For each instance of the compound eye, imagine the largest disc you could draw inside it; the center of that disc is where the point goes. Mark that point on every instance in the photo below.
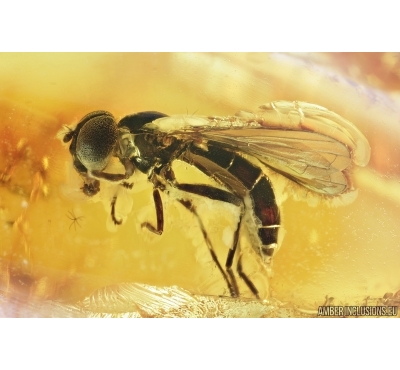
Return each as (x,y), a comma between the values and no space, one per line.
(96,140)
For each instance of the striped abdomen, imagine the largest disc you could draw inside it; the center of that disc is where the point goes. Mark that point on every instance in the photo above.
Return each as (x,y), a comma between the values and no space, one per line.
(247,181)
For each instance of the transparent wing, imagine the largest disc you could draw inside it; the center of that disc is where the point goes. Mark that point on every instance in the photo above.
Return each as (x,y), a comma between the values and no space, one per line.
(305,142)
(313,160)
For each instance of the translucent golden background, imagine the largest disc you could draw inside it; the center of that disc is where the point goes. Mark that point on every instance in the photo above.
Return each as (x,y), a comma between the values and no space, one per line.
(348,253)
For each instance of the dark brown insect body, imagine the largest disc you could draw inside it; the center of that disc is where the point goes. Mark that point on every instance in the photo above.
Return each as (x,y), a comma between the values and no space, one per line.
(315,155)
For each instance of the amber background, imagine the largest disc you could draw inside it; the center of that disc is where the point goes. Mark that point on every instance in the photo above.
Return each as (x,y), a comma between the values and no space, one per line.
(348,252)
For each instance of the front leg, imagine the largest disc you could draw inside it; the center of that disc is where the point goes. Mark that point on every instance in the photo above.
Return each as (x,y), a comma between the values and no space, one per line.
(129,170)
(91,184)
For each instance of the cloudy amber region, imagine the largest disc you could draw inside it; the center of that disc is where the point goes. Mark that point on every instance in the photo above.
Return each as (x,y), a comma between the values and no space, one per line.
(57,245)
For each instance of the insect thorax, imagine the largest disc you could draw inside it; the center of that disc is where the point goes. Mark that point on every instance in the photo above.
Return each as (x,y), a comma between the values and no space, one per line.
(148,150)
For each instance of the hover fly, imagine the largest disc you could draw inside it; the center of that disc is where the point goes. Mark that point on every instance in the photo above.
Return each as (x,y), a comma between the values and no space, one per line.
(306,143)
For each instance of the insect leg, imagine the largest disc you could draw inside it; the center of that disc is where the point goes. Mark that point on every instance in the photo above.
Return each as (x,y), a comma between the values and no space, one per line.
(232,285)
(246,279)
(228,197)
(115,220)
(129,170)
(223,196)
(127,185)
(91,187)
(159,213)
(109,176)
(239,267)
